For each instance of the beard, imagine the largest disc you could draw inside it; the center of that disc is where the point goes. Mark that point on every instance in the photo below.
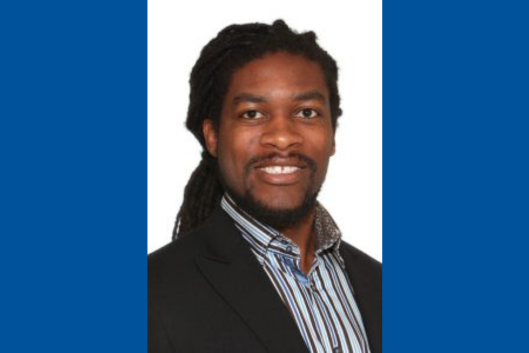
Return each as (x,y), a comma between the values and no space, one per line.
(276,218)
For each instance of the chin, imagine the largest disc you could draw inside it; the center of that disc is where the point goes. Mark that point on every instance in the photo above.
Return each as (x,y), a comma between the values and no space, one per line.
(277,212)
(280,203)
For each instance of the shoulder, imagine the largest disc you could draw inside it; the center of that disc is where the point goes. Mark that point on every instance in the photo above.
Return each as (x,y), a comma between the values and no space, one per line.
(175,260)
(176,291)
(173,281)
(361,260)
(180,250)
(178,258)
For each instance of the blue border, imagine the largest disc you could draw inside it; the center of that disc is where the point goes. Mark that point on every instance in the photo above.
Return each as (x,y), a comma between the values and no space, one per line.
(74,176)
(455,176)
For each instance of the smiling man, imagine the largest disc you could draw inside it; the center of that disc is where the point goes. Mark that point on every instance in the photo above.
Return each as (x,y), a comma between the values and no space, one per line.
(258,264)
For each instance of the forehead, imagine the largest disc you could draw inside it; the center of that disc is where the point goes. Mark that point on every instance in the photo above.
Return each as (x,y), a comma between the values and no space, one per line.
(278,73)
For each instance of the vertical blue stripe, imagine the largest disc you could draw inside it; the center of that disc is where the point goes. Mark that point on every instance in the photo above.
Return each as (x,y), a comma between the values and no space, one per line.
(74,179)
(456,191)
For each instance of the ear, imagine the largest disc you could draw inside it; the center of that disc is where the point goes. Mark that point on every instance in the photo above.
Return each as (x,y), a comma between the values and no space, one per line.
(211,136)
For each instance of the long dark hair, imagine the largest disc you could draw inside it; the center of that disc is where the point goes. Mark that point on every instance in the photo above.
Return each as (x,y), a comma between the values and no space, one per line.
(235,46)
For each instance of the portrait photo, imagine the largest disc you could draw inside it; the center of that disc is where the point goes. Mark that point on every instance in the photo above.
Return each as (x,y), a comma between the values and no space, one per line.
(265,176)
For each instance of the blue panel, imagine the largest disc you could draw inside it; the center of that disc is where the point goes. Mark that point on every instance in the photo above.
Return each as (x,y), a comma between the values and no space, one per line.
(74,176)
(455,176)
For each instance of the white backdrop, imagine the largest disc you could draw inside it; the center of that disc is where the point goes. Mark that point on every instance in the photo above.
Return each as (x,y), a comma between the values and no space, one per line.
(350,31)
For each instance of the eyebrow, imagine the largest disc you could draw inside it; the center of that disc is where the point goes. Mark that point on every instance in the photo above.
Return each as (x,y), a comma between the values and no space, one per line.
(247,97)
(311,95)
(252,98)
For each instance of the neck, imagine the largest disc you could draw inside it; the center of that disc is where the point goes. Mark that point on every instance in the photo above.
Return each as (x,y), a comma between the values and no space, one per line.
(302,234)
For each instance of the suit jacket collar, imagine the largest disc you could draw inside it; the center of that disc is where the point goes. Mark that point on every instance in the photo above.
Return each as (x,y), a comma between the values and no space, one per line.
(232,269)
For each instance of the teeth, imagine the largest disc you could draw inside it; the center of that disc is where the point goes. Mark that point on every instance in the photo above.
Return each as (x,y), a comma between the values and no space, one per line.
(279,169)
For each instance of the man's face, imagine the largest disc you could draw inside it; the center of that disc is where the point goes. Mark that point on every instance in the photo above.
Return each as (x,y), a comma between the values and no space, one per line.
(275,136)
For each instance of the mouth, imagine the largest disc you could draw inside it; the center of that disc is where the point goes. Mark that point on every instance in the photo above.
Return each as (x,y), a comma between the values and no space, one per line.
(280,175)
(279,169)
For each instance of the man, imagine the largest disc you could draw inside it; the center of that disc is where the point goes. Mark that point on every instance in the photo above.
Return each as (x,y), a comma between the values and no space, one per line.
(258,264)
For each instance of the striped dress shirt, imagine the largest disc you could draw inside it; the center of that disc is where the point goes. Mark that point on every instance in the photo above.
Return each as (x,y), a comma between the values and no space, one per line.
(321,302)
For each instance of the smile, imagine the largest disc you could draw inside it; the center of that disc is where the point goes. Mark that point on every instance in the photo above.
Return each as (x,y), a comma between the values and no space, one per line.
(279,169)
(280,175)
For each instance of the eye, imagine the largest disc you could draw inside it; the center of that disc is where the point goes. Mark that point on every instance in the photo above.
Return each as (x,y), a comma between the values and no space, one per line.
(252,115)
(307,113)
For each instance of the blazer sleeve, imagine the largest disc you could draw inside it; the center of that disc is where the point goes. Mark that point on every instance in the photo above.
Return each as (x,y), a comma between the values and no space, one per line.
(157,338)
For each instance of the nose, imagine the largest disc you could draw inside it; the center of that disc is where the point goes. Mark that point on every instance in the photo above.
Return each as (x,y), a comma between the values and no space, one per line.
(281,133)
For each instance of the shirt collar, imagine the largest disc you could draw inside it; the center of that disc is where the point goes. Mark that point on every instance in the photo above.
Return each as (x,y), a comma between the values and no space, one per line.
(263,238)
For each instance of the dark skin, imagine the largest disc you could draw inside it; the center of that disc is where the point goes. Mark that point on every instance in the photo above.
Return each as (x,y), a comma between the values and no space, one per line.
(278,104)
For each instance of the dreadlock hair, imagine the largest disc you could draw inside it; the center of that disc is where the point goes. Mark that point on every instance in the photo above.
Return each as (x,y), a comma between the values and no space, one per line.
(235,46)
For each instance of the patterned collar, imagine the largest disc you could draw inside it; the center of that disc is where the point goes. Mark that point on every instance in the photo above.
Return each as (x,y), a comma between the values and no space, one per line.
(264,239)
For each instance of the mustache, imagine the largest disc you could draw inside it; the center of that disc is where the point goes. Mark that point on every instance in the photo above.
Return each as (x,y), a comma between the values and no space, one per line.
(306,160)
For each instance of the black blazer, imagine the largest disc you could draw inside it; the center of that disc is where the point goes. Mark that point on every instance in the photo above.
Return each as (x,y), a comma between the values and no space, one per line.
(208,293)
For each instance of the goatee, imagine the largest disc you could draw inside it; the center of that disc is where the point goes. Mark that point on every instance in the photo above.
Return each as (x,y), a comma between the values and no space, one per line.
(276,218)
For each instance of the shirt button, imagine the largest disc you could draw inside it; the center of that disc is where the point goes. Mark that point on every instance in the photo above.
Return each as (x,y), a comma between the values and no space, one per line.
(337,350)
(289,248)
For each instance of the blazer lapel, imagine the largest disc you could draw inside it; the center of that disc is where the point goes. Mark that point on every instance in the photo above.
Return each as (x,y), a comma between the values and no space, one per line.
(232,269)
(368,295)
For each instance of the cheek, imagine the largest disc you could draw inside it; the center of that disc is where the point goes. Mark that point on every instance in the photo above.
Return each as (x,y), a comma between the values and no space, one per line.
(322,143)
(323,148)
(234,151)
(228,162)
